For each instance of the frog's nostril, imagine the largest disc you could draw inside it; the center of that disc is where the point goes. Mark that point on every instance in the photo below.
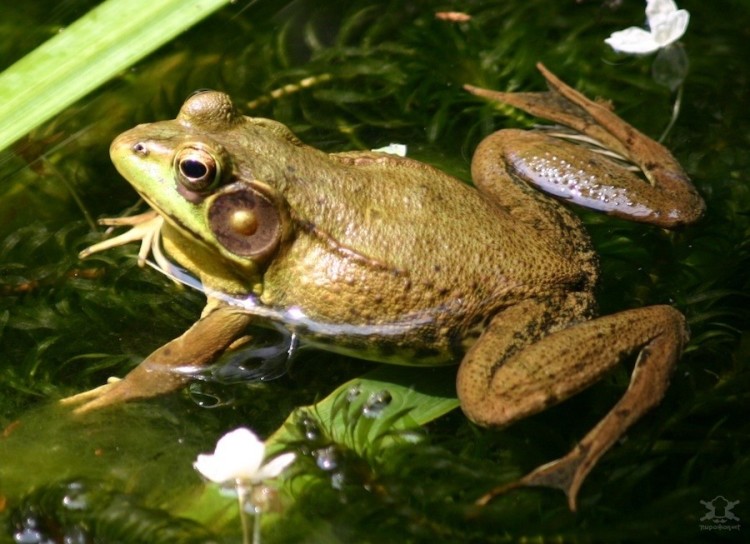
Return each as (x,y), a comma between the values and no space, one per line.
(140,149)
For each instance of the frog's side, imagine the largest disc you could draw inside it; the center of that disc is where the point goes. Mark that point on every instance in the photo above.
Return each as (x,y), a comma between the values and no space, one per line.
(393,260)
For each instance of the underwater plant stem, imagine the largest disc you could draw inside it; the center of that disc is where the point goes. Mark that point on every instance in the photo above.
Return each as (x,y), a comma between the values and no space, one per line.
(77,199)
(675,113)
(256,527)
(242,496)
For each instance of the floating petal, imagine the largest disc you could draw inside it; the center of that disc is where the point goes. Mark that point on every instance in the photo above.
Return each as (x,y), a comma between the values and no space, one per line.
(633,40)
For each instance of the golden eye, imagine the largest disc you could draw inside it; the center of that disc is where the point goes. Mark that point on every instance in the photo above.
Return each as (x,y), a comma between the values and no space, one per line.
(196,169)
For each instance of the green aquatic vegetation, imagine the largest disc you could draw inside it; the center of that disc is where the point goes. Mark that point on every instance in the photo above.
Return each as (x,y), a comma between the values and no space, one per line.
(382,72)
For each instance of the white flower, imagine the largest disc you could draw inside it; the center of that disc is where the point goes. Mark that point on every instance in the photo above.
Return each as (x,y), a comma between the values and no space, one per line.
(238,459)
(393,149)
(666,25)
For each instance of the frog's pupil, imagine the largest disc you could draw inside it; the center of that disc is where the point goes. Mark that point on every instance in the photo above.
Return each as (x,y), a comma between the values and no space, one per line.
(193,169)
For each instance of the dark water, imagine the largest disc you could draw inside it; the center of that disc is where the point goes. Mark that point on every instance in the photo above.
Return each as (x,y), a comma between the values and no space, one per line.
(395,76)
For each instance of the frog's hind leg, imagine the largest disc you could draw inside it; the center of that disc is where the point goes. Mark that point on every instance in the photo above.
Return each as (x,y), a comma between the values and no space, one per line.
(664,196)
(501,381)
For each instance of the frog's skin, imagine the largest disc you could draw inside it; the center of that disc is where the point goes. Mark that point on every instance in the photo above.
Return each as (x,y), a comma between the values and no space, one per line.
(392,260)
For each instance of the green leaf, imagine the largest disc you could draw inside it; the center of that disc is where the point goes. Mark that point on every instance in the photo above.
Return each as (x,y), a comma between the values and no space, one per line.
(84,55)
(406,397)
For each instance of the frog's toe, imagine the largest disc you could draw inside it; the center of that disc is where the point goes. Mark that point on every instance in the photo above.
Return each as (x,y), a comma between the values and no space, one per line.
(90,394)
(566,474)
(114,391)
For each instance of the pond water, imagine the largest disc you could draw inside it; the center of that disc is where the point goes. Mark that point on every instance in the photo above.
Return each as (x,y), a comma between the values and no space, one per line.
(374,73)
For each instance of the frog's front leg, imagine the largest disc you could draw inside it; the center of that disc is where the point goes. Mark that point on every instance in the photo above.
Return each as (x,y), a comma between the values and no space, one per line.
(144,227)
(501,380)
(164,371)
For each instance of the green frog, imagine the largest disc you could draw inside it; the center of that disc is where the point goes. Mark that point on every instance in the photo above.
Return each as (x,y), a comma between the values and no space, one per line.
(389,259)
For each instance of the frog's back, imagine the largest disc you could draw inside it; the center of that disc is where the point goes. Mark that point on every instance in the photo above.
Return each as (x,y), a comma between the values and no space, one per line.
(417,221)
(413,220)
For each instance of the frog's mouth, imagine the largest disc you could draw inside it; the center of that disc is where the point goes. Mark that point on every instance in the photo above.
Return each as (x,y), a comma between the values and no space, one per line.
(170,218)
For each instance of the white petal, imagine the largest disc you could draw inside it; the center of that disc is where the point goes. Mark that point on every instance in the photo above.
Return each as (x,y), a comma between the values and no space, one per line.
(393,149)
(238,455)
(633,40)
(212,468)
(658,10)
(671,29)
(274,467)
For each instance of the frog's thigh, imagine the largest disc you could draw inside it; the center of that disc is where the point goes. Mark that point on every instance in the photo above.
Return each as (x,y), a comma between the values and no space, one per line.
(529,379)
(588,178)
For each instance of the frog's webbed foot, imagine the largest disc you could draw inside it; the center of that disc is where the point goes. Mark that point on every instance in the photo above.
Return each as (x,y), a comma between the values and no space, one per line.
(84,398)
(566,474)
(589,176)
(138,384)
(145,228)
(170,367)
(501,380)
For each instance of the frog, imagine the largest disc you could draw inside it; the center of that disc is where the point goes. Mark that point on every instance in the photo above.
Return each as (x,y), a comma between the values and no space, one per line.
(389,259)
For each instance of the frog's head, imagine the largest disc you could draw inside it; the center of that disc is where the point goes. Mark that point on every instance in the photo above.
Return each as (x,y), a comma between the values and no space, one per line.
(201,172)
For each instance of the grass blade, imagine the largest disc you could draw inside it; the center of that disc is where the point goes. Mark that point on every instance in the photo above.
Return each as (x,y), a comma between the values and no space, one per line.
(96,47)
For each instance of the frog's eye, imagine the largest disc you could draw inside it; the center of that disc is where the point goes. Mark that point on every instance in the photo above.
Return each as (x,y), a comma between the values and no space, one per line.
(196,169)
(245,221)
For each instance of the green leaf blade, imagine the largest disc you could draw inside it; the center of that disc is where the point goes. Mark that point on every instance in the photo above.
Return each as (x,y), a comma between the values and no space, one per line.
(81,57)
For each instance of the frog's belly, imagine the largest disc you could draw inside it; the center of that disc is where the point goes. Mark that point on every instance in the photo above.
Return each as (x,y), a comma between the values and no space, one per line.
(414,339)
(410,342)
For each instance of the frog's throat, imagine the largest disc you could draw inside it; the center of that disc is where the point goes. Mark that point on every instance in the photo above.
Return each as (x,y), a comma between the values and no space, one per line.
(207,261)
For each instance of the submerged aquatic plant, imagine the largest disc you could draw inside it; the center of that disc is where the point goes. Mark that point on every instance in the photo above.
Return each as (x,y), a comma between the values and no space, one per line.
(237,462)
